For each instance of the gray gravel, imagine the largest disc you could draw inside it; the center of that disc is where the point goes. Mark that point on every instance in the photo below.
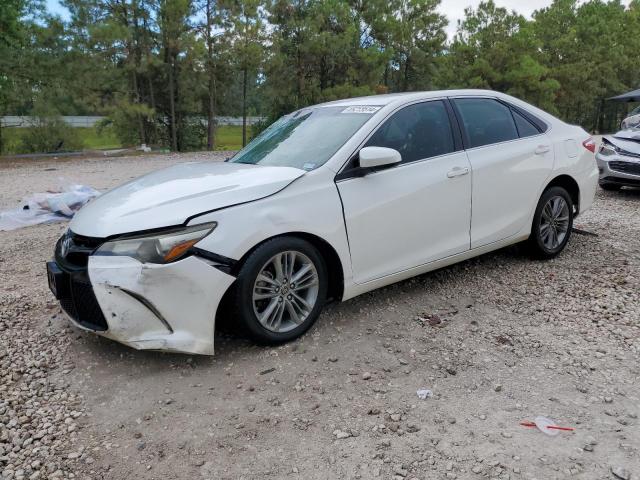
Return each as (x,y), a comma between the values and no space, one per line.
(498,340)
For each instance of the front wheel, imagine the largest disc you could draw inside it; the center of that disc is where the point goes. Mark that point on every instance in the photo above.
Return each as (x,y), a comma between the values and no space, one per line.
(552,223)
(281,289)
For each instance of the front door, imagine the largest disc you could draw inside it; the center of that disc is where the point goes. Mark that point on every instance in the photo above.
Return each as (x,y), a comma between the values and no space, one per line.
(417,211)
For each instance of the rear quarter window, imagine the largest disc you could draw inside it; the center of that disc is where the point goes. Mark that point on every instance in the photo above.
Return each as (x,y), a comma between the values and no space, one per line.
(525,127)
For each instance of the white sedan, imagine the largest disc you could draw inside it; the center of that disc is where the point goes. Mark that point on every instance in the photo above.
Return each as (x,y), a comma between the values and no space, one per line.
(329,202)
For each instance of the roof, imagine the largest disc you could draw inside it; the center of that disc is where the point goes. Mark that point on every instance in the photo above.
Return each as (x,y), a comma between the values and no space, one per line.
(388,98)
(395,99)
(632,96)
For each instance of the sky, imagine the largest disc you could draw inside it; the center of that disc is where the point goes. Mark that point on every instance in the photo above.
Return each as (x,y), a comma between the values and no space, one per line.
(54,7)
(453,9)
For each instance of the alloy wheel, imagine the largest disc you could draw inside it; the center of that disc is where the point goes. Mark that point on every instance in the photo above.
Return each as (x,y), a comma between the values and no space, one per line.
(554,222)
(285,291)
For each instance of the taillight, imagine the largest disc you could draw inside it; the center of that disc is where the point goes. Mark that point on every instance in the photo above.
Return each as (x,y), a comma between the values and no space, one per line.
(590,145)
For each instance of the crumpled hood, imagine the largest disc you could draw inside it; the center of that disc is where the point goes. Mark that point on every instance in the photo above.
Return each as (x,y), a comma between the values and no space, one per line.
(168,197)
(632,121)
(628,140)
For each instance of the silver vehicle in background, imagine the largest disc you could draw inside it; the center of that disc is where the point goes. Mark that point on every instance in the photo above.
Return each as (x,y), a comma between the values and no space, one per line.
(632,120)
(619,160)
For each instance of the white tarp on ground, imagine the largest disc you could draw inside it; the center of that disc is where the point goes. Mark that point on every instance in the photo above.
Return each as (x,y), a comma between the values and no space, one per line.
(52,206)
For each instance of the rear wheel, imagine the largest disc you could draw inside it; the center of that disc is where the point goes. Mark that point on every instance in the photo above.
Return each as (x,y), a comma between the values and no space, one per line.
(610,186)
(280,290)
(552,223)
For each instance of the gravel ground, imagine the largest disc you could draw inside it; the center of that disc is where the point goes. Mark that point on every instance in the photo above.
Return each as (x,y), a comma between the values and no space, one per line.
(499,339)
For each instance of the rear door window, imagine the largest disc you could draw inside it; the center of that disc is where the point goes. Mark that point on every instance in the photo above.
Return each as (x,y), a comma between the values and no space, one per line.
(486,121)
(418,131)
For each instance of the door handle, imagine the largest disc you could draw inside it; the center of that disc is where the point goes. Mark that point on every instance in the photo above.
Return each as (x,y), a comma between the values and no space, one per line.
(457,172)
(542,149)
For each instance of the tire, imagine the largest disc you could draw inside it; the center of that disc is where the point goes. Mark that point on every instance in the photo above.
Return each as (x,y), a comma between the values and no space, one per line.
(610,187)
(542,243)
(283,314)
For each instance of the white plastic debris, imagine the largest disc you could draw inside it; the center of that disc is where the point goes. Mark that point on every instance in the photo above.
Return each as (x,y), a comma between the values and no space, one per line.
(543,424)
(424,393)
(53,206)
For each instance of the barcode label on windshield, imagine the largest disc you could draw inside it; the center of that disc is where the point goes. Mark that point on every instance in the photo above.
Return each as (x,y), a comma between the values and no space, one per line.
(361,109)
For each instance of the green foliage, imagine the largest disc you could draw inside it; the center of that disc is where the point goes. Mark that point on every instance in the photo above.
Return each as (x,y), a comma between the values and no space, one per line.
(590,51)
(229,137)
(412,32)
(10,12)
(494,48)
(159,69)
(50,134)
(259,127)
(321,50)
(90,138)
(124,120)
(17,78)
(12,140)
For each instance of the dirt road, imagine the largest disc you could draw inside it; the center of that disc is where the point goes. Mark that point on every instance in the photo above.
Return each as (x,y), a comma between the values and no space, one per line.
(498,340)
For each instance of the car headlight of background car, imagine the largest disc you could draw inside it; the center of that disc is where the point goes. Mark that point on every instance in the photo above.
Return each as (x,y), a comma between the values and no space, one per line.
(607,149)
(159,247)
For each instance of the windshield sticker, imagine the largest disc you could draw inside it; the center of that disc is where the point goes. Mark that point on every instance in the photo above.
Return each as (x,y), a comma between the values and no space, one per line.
(361,109)
(309,166)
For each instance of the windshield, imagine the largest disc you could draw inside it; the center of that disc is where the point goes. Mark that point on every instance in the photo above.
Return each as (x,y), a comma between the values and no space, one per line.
(305,139)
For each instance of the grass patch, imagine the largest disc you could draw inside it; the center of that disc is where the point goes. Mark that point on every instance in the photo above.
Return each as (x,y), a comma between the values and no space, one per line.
(92,140)
(89,136)
(228,137)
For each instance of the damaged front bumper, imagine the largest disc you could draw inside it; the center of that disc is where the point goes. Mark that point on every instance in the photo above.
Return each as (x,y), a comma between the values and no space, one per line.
(619,170)
(145,306)
(618,159)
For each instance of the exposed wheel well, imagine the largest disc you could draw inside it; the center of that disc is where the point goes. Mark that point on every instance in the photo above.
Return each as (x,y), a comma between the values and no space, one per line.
(334,265)
(571,186)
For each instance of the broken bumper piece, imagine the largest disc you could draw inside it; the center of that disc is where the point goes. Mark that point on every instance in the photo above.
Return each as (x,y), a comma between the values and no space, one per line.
(157,307)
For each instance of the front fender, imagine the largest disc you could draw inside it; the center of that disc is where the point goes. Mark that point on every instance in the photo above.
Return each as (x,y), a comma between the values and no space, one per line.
(310,205)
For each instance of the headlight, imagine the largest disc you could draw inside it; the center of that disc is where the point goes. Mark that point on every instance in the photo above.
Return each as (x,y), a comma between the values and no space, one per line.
(160,247)
(607,149)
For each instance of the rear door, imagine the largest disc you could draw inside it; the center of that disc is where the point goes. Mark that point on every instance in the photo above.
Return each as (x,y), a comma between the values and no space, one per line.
(414,212)
(510,158)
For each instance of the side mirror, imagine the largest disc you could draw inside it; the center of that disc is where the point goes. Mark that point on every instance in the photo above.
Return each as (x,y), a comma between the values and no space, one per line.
(372,157)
